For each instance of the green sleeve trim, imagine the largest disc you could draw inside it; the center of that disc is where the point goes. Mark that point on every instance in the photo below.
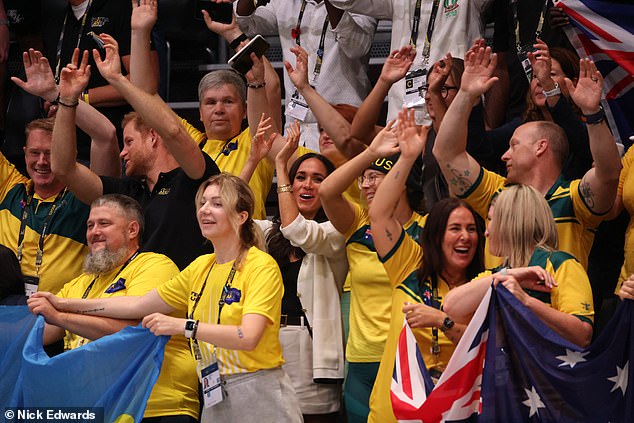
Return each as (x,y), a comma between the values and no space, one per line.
(585,319)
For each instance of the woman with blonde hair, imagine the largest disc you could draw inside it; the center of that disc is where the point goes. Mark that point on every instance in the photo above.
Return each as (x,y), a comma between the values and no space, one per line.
(232,301)
(551,283)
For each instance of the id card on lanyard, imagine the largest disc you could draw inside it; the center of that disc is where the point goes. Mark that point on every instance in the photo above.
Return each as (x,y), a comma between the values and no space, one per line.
(31,282)
(416,78)
(523,49)
(207,367)
(298,106)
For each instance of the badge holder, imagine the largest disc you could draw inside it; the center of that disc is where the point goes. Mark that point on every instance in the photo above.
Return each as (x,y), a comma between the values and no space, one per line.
(297,107)
(522,55)
(210,380)
(414,99)
(30,285)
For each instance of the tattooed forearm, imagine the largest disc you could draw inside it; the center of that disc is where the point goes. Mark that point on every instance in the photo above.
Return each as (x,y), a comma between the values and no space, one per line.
(587,194)
(459,180)
(94,310)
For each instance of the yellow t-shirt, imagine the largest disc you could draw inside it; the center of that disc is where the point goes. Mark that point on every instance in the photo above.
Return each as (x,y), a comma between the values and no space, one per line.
(176,390)
(626,191)
(370,289)
(256,288)
(65,239)
(401,265)
(576,223)
(231,155)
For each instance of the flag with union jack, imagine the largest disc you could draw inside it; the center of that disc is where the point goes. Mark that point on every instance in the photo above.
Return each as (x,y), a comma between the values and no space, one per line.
(603,30)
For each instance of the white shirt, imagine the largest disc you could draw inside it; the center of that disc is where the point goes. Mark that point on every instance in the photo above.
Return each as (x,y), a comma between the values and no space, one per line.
(343,78)
(457,26)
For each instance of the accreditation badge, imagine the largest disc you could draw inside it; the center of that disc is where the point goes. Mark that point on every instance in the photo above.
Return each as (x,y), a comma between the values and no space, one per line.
(30,285)
(297,107)
(211,383)
(415,81)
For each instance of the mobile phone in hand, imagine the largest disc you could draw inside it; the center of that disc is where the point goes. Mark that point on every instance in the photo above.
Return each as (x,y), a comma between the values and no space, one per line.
(241,61)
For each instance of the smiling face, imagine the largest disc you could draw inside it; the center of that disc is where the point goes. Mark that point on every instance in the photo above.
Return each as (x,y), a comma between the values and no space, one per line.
(221,112)
(214,219)
(37,156)
(108,229)
(309,176)
(460,241)
(369,183)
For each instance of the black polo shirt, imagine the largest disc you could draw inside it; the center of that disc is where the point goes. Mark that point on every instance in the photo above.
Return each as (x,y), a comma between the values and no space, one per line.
(171,227)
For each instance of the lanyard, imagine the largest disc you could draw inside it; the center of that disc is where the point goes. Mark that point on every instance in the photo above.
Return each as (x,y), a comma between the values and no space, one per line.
(47,221)
(61,39)
(516,22)
(296,33)
(435,303)
(221,302)
(430,28)
(89,288)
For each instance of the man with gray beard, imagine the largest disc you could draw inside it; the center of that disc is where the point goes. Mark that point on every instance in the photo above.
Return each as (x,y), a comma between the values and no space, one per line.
(115,267)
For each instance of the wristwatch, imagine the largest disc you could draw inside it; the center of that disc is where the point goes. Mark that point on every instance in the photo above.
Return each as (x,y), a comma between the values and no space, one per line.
(447,324)
(190,325)
(551,93)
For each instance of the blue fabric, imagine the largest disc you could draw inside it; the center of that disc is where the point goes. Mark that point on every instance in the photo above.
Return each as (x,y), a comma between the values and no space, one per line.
(116,372)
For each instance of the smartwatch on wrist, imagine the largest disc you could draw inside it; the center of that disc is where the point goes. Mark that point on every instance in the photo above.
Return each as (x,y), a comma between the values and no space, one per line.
(447,324)
(190,325)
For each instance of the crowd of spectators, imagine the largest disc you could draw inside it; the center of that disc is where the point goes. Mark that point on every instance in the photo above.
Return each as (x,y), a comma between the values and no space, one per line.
(118,211)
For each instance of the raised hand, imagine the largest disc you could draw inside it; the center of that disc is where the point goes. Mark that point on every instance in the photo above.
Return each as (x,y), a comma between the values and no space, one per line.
(298,75)
(110,68)
(256,74)
(292,141)
(541,62)
(419,315)
(385,143)
(261,144)
(39,77)
(74,77)
(144,14)
(227,31)
(479,67)
(587,93)
(439,73)
(397,64)
(410,140)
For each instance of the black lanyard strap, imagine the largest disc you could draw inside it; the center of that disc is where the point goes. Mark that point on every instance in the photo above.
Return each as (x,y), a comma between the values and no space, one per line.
(516,23)
(296,32)
(89,287)
(430,28)
(47,221)
(61,38)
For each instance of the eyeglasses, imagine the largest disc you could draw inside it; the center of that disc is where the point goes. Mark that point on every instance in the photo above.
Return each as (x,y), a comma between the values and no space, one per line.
(444,90)
(371,179)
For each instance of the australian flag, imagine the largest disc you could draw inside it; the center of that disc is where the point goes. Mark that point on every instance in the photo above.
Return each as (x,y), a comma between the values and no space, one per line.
(603,30)
(510,367)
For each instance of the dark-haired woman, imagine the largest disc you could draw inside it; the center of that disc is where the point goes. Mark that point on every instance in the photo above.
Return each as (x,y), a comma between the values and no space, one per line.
(311,255)
(450,254)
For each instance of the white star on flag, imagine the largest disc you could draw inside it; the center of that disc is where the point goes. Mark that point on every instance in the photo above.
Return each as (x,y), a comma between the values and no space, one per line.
(571,358)
(620,380)
(533,402)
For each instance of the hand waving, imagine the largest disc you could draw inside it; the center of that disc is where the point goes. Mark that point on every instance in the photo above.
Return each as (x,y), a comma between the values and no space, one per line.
(479,66)
(74,77)
(587,93)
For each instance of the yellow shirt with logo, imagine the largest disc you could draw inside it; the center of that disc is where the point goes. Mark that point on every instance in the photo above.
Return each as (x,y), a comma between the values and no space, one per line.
(401,265)
(65,239)
(256,288)
(370,292)
(576,223)
(626,191)
(231,155)
(176,390)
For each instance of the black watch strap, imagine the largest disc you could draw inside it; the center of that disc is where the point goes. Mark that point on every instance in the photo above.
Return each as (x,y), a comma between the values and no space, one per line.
(447,324)
(235,43)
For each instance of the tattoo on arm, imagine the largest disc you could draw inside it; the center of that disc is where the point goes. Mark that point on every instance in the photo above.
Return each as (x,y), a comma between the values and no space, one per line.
(89,311)
(460,180)
(587,194)
(388,234)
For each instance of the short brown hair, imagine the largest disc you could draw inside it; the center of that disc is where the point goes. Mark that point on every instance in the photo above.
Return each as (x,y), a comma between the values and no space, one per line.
(43,124)
(137,121)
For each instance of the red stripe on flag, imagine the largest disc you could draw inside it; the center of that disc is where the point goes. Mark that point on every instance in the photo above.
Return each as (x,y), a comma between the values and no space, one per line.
(588,24)
(406,378)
